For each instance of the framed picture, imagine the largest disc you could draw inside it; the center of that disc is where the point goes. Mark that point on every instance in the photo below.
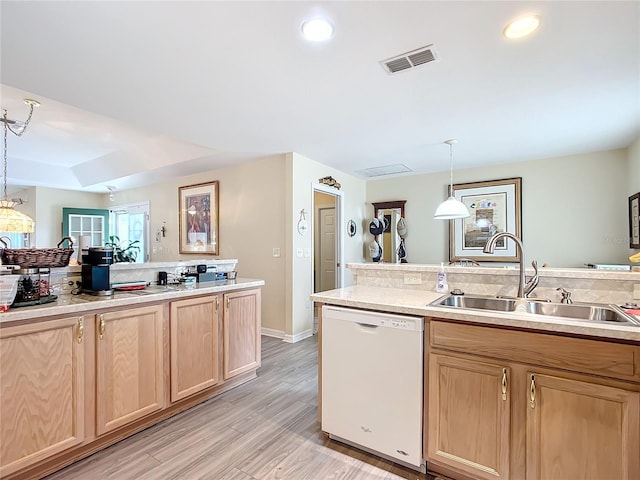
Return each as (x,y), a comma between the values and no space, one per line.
(634,221)
(198,218)
(495,206)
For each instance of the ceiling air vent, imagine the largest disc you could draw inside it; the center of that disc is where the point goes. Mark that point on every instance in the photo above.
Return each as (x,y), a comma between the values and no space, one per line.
(385,170)
(410,60)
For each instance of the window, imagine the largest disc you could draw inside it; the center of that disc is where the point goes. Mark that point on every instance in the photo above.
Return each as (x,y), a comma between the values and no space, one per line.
(131,223)
(15,240)
(86,221)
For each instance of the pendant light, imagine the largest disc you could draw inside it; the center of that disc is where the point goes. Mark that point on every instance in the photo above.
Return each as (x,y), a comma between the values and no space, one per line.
(12,220)
(451,208)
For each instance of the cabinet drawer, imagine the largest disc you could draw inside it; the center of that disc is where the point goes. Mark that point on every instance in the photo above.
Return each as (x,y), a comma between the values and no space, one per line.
(576,354)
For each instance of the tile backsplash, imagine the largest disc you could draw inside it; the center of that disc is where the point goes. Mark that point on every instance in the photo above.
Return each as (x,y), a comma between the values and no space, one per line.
(585,285)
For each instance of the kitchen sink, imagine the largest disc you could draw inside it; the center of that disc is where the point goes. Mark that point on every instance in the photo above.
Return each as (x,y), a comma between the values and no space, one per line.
(479,303)
(594,313)
(577,311)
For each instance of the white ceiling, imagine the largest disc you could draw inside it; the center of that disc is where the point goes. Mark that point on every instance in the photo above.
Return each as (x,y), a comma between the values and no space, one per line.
(135,92)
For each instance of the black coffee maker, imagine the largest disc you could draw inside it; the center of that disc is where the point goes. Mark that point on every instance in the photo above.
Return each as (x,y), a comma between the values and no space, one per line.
(95,271)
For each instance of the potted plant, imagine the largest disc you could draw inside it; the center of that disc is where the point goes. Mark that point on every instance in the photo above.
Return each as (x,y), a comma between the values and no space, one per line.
(128,254)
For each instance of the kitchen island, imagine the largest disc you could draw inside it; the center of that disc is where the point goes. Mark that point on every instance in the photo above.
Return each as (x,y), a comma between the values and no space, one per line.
(86,371)
(515,395)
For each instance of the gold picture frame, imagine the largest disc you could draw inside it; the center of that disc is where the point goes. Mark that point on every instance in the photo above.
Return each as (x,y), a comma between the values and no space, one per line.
(198,218)
(495,206)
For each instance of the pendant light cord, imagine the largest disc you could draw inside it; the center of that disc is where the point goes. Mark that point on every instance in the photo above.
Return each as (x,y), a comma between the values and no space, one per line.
(19,131)
(450,169)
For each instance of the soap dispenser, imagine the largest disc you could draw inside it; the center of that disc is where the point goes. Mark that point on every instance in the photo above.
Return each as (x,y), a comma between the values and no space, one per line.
(442,286)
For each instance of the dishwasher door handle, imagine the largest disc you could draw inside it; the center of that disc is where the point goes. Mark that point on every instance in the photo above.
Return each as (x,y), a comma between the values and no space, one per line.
(367,325)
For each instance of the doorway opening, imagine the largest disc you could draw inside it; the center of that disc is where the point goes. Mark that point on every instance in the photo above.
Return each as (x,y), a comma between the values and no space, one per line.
(327,245)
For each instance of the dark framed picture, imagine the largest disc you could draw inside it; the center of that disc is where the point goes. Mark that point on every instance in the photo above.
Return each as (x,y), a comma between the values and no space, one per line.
(198,218)
(634,221)
(495,206)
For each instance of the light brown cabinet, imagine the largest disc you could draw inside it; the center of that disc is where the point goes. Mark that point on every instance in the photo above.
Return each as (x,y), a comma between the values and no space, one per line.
(579,429)
(523,405)
(42,391)
(129,366)
(241,332)
(124,369)
(195,346)
(469,416)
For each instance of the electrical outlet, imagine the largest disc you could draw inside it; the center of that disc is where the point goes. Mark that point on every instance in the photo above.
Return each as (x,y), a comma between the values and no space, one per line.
(299,252)
(636,291)
(276,252)
(412,279)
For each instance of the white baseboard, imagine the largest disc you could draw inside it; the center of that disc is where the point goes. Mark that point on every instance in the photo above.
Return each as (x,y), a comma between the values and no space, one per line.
(298,336)
(272,332)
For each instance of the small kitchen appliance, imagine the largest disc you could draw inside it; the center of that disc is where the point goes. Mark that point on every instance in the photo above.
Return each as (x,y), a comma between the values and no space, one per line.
(204,273)
(95,271)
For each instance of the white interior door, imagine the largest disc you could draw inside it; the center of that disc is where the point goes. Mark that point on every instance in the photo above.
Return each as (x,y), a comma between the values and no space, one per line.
(327,236)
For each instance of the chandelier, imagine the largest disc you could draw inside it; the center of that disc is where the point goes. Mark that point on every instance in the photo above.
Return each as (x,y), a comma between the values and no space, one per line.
(12,220)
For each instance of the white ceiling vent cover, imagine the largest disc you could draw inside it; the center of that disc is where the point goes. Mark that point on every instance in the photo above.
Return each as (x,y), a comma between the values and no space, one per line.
(384,170)
(410,60)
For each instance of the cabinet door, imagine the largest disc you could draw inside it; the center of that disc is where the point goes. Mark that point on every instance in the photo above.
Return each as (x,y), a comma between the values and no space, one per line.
(241,332)
(469,416)
(577,429)
(194,345)
(41,391)
(129,373)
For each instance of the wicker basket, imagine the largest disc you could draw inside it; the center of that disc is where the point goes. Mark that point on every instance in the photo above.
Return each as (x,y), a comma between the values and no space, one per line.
(38,257)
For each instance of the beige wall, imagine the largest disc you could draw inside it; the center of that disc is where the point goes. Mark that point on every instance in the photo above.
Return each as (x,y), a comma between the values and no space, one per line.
(45,205)
(251,224)
(304,173)
(574,208)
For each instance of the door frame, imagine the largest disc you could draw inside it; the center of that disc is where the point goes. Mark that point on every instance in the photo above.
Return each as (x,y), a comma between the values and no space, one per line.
(339,198)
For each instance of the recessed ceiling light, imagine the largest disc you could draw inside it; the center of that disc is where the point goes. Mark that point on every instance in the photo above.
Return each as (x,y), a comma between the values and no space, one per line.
(317,30)
(522,26)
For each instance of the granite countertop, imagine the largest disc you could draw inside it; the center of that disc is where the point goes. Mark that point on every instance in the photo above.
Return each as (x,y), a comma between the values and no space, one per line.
(416,302)
(79,304)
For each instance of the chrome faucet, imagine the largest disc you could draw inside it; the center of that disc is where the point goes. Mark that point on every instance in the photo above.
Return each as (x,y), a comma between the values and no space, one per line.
(491,245)
(566,295)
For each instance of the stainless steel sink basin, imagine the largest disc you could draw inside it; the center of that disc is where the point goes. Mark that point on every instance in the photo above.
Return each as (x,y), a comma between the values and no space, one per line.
(480,303)
(576,311)
(594,313)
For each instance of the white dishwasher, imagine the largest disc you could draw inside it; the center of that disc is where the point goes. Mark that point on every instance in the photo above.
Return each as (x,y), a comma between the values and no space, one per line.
(372,382)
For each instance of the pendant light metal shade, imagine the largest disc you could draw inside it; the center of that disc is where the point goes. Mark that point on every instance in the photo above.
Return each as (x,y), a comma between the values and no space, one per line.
(451,208)
(12,220)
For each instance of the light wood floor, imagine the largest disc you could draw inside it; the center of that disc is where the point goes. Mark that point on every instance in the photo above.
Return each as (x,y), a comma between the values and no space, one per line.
(266,429)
